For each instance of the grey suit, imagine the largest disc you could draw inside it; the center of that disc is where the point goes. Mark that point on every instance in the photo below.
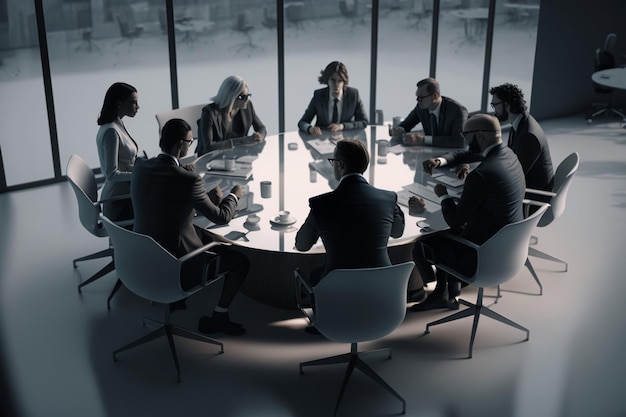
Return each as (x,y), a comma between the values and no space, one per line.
(354,222)
(452,117)
(353,115)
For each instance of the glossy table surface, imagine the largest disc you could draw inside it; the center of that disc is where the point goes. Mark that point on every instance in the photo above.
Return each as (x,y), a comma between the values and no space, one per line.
(297,166)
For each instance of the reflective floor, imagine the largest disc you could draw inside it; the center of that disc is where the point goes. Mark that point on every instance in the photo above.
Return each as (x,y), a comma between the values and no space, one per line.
(57,344)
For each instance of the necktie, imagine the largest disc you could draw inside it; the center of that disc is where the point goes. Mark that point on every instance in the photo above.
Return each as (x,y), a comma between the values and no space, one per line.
(511,137)
(433,123)
(335,111)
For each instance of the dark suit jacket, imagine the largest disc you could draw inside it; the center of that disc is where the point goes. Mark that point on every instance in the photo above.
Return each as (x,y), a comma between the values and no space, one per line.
(164,197)
(492,196)
(452,116)
(531,147)
(354,222)
(213,128)
(353,115)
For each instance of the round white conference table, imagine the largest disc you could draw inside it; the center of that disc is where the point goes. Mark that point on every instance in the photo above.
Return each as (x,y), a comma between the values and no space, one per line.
(297,166)
(612,77)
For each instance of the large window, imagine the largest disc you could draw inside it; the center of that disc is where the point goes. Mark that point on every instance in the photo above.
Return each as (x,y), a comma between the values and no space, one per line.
(93,43)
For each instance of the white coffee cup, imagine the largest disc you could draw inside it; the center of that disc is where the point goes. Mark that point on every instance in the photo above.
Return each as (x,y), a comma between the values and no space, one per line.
(266,189)
(283,216)
(229,163)
(383,147)
(396,121)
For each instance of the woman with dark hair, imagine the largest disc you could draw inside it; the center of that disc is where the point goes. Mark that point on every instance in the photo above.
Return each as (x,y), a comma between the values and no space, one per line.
(117,150)
(226,121)
(337,106)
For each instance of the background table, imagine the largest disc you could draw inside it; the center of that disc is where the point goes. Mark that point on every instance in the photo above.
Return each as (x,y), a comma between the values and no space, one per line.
(613,77)
(297,166)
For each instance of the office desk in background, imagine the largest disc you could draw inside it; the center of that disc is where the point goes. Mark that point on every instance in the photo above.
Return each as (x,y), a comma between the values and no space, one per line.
(297,166)
(613,78)
(474,20)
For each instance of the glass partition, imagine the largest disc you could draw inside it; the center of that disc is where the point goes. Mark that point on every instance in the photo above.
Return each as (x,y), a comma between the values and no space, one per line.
(404,36)
(515,24)
(94,44)
(23,119)
(461,50)
(221,38)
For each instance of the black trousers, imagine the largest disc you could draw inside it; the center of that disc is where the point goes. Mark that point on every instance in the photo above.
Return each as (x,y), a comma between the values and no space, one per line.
(441,249)
(235,263)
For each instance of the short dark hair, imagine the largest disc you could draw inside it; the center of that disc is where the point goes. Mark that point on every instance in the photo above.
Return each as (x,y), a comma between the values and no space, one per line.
(334,67)
(432,85)
(173,131)
(354,155)
(512,95)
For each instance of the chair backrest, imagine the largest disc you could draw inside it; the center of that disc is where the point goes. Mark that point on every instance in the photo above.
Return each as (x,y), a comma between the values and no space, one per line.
(354,305)
(562,181)
(504,254)
(609,43)
(190,114)
(144,266)
(83,182)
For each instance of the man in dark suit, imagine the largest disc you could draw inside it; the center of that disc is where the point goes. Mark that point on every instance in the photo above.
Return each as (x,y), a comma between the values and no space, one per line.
(492,198)
(165,196)
(355,220)
(442,119)
(337,106)
(526,138)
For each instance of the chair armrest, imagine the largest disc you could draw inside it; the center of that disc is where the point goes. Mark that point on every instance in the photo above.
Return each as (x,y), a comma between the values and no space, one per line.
(200,250)
(114,198)
(540,192)
(528,203)
(303,283)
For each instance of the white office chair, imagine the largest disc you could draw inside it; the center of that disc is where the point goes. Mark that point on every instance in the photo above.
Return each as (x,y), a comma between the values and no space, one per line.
(151,272)
(190,114)
(498,260)
(558,196)
(357,305)
(85,187)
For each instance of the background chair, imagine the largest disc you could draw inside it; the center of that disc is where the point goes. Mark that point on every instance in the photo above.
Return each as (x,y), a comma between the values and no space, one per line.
(151,272)
(245,26)
(605,59)
(269,18)
(348,10)
(558,196)
(128,31)
(83,182)
(499,259)
(190,114)
(357,305)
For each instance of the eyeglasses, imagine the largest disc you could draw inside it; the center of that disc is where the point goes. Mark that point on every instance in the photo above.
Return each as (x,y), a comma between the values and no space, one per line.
(244,97)
(332,161)
(420,98)
(464,134)
(188,140)
(493,105)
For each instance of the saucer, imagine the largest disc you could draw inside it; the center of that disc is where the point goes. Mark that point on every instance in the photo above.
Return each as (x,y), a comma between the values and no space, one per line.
(252,226)
(277,222)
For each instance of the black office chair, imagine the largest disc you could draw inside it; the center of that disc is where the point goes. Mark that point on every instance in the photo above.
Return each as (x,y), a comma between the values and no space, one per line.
(605,59)
(245,26)
(348,10)
(269,19)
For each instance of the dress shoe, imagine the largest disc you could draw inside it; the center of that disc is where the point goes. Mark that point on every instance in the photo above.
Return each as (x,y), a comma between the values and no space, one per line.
(220,323)
(312,330)
(432,303)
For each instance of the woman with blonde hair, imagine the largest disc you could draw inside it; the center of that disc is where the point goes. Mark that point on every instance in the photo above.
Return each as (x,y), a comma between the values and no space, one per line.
(226,121)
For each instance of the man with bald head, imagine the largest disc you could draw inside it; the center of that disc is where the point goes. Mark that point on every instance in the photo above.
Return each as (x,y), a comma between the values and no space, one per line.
(492,198)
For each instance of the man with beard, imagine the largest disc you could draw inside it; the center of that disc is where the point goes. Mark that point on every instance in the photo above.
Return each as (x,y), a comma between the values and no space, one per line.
(526,139)
(492,198)
(441,117)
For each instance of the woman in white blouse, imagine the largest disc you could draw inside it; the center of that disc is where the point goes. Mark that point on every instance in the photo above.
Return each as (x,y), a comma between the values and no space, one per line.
(117,150)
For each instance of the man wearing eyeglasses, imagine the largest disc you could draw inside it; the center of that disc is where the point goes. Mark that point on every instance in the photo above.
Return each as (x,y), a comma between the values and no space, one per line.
(492,198)
(442,119)
(526,137)
(165,197)
(355,220)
